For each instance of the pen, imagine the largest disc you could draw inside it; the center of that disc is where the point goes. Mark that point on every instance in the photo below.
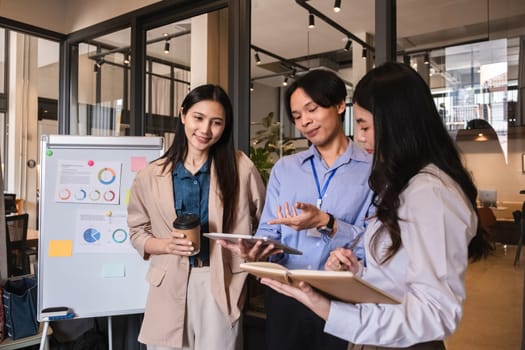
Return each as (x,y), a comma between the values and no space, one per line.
(354,242)
(351,245)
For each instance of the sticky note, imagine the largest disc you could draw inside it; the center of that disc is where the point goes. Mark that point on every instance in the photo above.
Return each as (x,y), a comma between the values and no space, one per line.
(113,270)
(138,163)
(60,248)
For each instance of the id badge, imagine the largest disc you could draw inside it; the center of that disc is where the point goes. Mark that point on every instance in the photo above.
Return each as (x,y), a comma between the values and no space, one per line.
(313,232)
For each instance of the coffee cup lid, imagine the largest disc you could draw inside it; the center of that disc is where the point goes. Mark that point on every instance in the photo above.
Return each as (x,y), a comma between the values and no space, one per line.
(186,221)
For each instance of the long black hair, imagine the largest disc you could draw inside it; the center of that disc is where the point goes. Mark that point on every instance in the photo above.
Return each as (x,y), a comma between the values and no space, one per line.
(409,134)
(222,152)
(324,87)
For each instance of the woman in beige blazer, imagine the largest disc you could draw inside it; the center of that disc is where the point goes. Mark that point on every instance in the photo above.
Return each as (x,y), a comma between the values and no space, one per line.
(195,302)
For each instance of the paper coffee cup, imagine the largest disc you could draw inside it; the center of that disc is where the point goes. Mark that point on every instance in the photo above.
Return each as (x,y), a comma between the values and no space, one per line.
(189,225)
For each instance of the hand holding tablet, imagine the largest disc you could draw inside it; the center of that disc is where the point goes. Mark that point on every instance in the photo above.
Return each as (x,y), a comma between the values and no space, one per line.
(234,237)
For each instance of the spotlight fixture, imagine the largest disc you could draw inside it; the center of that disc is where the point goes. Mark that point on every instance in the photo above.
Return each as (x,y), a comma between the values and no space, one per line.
(426,59)
(337,6)
(251,86)
(127,58)
(285,81)
(348,44)
(311,20)
(167,47)
(257,58)
(294,72)
(98,65)
(364,53)
(481,137)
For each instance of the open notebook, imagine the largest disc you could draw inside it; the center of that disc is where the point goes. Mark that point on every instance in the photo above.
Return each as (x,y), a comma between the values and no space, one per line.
(340,285)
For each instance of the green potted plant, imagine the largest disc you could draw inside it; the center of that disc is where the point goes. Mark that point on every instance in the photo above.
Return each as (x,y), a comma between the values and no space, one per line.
(268,146)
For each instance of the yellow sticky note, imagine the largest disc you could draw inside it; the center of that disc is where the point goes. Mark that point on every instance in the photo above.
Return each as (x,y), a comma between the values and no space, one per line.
(60,248)
(128,193)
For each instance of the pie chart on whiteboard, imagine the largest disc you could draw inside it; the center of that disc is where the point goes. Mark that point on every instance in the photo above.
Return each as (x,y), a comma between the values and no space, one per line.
(91,235)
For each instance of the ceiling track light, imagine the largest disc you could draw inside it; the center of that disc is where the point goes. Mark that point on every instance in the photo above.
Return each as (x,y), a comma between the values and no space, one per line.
(364,53)
(337,6)
(251,86)
(426,59)
(257,58)
(98,65)
(127,58)
(285,81)
(348,44)
(311,20)
(167,47)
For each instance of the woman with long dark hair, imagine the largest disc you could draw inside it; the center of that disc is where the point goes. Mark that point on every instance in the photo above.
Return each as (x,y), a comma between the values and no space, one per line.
(195,300)
(425,228)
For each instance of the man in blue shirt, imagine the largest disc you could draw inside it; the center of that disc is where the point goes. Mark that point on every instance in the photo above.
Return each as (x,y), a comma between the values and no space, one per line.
(316,200)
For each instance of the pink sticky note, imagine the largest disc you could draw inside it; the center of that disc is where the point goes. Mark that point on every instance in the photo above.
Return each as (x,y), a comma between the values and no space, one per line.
(138,163)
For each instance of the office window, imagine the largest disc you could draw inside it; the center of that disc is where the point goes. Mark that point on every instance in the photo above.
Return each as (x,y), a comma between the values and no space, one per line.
(168,72)
(103,86)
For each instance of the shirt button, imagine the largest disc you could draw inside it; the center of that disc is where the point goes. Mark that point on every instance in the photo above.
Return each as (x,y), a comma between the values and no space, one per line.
(309,267)
(318,244)
(194,182)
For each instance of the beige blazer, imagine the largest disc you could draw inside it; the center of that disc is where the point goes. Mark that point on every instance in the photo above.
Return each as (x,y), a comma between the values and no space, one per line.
(151,212)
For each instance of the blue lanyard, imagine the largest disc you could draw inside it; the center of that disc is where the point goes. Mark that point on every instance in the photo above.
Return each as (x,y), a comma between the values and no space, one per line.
(320,191)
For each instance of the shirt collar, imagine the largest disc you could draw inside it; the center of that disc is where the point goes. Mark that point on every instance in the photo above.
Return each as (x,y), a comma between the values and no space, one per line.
(352,153)
(181,172)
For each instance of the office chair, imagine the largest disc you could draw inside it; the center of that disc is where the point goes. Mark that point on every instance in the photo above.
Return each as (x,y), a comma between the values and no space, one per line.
(17,251)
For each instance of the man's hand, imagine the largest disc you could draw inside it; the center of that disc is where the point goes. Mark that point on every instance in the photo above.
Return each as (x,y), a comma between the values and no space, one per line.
(309,217)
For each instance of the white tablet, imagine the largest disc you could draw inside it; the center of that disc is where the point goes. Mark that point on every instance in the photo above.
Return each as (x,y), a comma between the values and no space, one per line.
(233,237)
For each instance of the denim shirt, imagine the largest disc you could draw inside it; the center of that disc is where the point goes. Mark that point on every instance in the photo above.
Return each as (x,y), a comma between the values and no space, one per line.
(191,193)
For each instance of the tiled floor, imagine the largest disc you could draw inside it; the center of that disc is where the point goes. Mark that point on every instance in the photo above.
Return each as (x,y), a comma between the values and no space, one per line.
(493,309)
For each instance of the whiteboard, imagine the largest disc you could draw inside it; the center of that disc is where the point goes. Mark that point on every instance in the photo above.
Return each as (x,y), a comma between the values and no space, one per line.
(86,261)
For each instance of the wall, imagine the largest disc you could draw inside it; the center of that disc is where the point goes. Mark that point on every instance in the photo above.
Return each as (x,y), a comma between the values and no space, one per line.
(30,11)
(66,16)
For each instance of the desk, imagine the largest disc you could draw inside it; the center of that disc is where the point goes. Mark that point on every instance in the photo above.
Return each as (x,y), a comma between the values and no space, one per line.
(504,213)
(9,343)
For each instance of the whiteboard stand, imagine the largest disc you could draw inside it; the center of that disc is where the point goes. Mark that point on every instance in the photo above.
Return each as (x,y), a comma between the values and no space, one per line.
(110,334)
(43,341)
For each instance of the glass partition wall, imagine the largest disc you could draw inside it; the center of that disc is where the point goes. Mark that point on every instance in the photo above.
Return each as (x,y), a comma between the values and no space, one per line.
(474,78)
(167,76)
(104,81)
(29,67)
(103,86)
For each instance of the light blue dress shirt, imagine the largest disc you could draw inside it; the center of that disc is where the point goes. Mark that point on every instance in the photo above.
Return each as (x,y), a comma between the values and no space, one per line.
(347,198)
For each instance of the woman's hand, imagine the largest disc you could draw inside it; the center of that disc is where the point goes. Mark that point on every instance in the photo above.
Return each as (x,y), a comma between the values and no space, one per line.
(309,217)
(248,252)
(305,294)
(178,244)
(342,259)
